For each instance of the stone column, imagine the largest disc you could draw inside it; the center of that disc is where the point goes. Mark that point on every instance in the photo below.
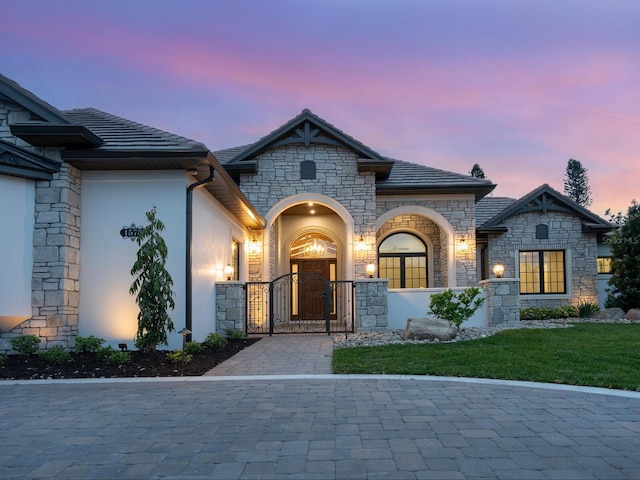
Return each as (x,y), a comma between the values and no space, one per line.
(56,263)
(371,304)
(503,300)
(230,306)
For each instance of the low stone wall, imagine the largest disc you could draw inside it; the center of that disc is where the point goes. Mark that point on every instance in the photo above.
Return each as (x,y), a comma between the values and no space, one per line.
(230,306)
(503,300)
(372,312)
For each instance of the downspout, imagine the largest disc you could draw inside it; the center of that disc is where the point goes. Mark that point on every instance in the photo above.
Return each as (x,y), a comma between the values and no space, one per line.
(188,284)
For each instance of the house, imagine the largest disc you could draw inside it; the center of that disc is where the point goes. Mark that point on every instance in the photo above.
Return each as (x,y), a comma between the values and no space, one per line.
(307,228)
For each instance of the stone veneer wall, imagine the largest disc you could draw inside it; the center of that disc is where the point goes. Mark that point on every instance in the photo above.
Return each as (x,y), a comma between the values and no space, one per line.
(55,285)
(230,306)
(337,177)
(565,233)
(460,213)
(56,269)
(426,227)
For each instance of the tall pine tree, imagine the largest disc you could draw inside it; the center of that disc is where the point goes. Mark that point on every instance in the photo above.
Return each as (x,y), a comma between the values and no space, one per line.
(476,171)
(576,183)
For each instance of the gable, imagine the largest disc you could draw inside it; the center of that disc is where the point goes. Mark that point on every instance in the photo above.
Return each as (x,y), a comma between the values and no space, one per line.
(17,162)
(308,129)
(545,199)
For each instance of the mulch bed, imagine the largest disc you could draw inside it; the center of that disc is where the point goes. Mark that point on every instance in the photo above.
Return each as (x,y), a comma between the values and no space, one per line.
(88,365)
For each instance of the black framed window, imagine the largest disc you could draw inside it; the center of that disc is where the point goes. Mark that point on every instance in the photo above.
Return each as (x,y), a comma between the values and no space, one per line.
(604,264)
(542,271)
(402,258)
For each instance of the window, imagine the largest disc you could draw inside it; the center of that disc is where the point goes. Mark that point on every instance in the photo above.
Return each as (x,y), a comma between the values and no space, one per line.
(403,260)
(604,264)
(235,260)
(542,271)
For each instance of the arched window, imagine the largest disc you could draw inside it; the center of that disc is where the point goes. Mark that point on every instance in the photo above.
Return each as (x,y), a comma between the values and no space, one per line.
(402,258)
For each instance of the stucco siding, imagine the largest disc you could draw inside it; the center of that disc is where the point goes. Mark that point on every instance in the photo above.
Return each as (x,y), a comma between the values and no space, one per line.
(17,204)
(213,232)
(110,201)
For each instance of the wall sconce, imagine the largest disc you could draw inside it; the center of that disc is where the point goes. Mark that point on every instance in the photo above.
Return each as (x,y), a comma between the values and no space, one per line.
(228,272)
(498,270)
(361,245)
(254,246)
(371,269)
(463,245)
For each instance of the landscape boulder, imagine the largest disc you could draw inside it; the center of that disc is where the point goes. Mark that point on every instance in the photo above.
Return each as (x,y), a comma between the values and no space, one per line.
(609,314)
(633,314)
(429,328)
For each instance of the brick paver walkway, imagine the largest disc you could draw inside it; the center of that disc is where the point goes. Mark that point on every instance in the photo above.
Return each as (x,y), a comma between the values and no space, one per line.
(258,426)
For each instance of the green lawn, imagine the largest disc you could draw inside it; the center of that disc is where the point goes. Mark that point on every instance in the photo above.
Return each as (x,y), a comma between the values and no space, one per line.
(604,355)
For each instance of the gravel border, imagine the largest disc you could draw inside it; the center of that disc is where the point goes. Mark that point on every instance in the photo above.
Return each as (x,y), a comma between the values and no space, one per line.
(386,337)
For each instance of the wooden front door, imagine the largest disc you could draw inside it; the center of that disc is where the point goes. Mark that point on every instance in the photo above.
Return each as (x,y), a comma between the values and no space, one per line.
(312,288)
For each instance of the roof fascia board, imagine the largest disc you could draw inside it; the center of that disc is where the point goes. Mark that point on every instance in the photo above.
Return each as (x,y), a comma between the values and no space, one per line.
(435,196)
(478,191)
(55,134)
(121,153)
(23,172)
(15,93)
(234,191)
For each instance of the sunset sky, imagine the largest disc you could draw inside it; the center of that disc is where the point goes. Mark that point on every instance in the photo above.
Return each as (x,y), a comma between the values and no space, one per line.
(519,87)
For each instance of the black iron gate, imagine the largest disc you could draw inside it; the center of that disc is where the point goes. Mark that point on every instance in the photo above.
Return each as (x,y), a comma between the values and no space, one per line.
(300,303)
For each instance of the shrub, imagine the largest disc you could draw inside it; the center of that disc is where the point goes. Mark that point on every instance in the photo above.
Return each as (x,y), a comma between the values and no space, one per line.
(117,358)
(565,311)
(215,340)
(193,347)
(536,313)
(89,344)
(56,355)
(586,309)
(1,360)
(234,334)
(112,356)
(103,353)
(25,344)
(548,313)
(456,307)
(178,356)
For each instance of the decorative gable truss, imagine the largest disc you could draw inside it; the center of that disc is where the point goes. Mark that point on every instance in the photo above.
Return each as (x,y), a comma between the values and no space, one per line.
(545,199)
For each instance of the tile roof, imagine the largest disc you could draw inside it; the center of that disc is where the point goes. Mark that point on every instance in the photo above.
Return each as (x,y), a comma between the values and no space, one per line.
(407,174)
(121,134)
(489,207)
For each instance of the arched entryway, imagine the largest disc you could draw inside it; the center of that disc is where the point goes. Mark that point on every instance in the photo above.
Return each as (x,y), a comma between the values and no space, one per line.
(308,267)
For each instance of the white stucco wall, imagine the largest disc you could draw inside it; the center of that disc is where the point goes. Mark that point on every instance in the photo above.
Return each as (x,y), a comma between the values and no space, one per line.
(17,203)
(213,231)
(414,303)
(110,201)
